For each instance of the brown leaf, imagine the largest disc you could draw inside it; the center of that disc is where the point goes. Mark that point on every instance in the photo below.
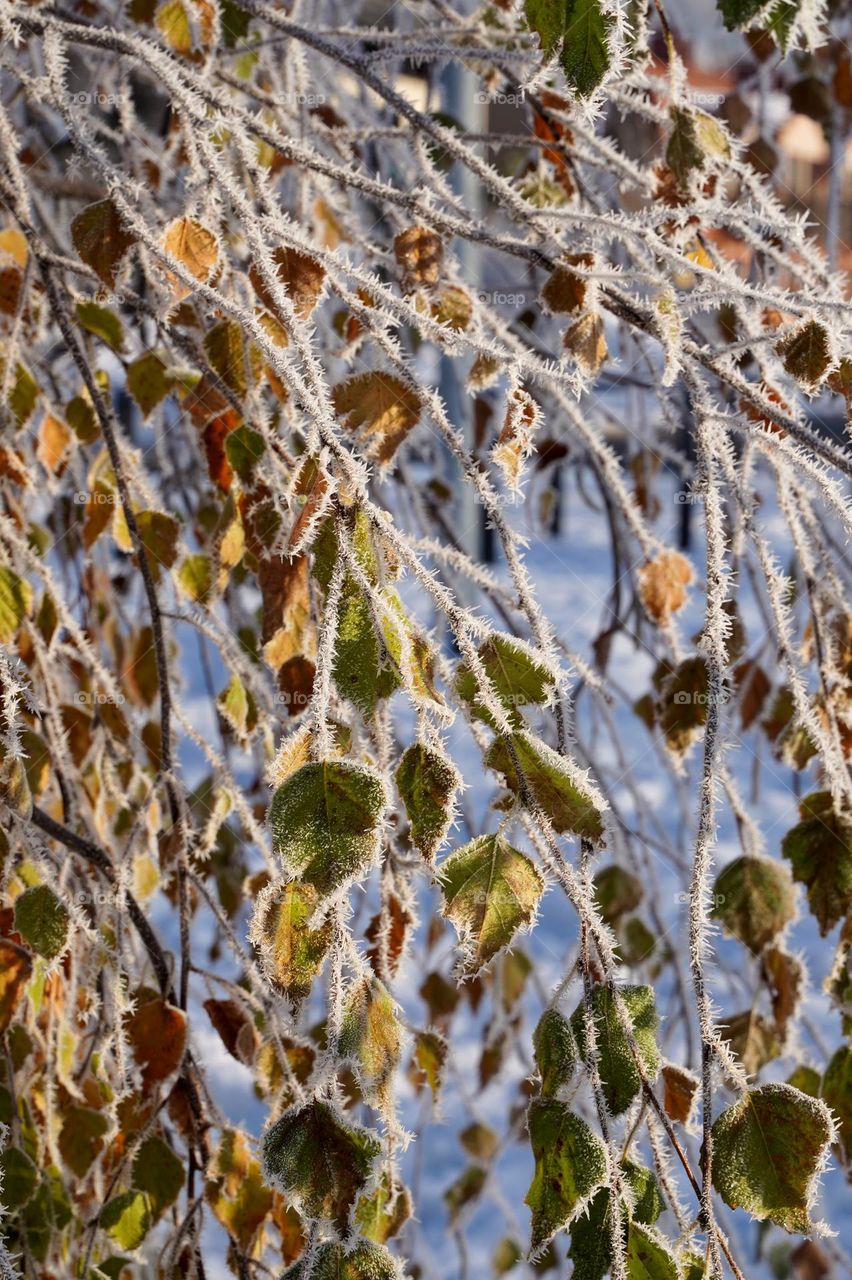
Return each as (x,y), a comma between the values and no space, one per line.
(16,966)
(101,239)
(419,252)
(806,354)
(157,1033)
(753,688)
(387,931)
(302,278)
(564,291)
(311,493)
(662,584)
(586,341)
(235,1028)
(195,247)
(382,408)
(679,1091)
(783,974)
(54,438)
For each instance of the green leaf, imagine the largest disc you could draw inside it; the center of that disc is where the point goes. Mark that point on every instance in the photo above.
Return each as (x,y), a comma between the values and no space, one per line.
(490,891)
(570,1163)
(101,322)
(366,1261)
(754,898)
(648,1256)
(837,1093)
(768,1149)
(780,22)
(148,382)
(738,13)
(292,953)
(159,1172)
(582,27)
(820,851)
(591,1233)
(244,449)
(557,786)
(383,1212)
(159,534)
(585,54)
(23,394)
(127,1219)
(620,1078)
(555,1051)
(19,1177)
(427,783)
(430,1055)
(363,669)
(195,576)
(517,675)
(81,1138)
(325,821)
(616,892)
(16,601)
(371,1034)
(479,1141)
(237,363)
(465,1189)
(42,920)
(318,1162)
(237,705)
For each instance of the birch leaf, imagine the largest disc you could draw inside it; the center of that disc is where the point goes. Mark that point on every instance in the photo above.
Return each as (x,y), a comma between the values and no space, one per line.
(754,898)
(292,952)
(101,239)
(680,1088)
(16,601)
(586,342)
(517,676)
(367,1261)
(555,1051)
(148,381)
(570,1163)
(300,276)
(430,1055)
(555,785)
(490,891)
(619,1074)
(427,782)
(419,253)
(819,849)
(806,353)
(382,1213)
(768,1149)
(662,584)
(42,920)
(127,1219)
(159,1172)
(381,408)
(15,970)
(370,1033)
(195,247)
(325,821)
(318,1162)
(581,26)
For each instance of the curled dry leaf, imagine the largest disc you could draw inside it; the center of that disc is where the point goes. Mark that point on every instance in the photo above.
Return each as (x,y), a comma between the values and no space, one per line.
(515,442)
(585,340)
(662,584)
